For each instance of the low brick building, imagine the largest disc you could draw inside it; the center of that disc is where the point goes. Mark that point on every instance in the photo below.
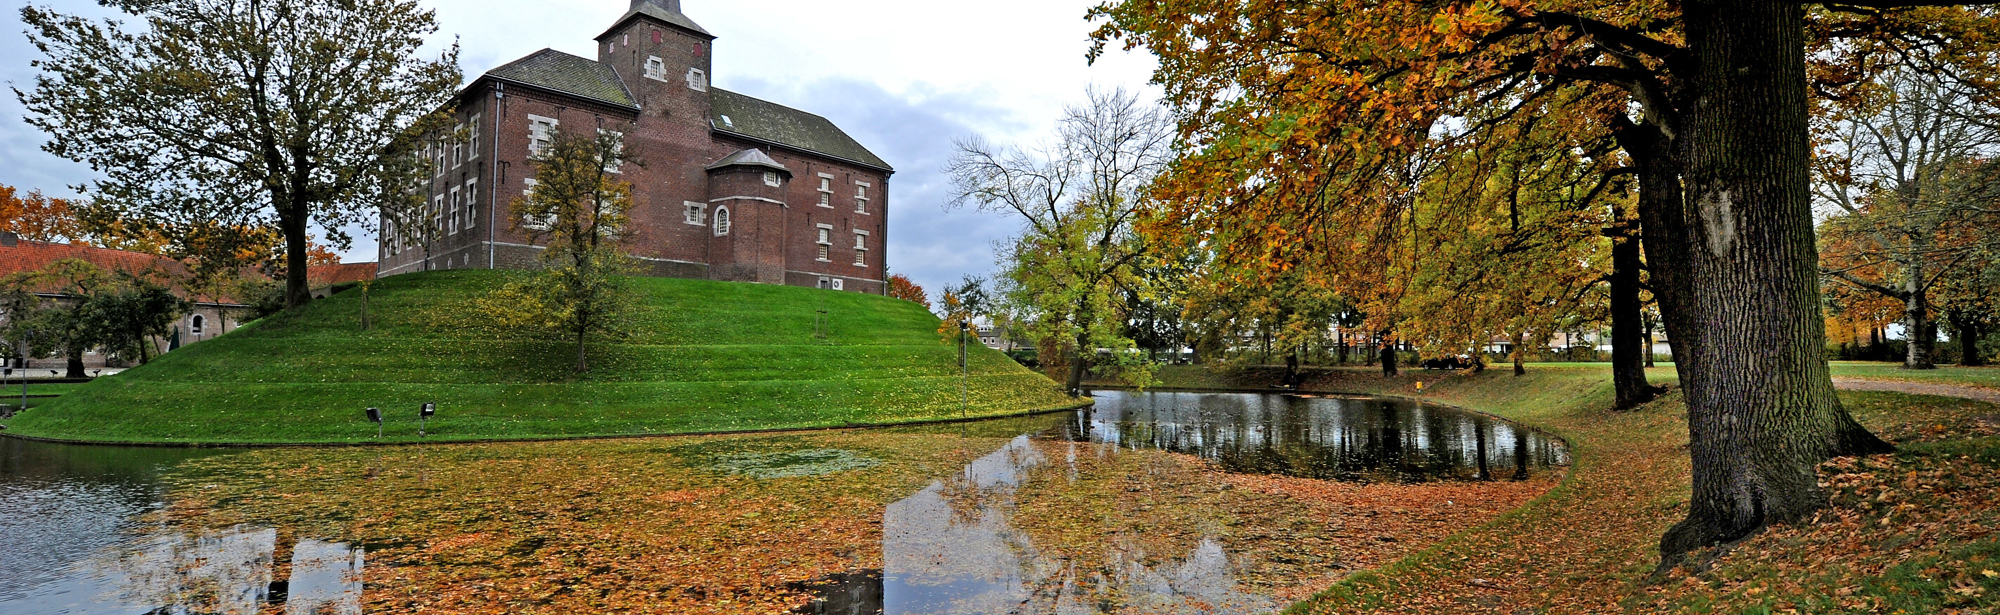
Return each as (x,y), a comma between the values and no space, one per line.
(731,187)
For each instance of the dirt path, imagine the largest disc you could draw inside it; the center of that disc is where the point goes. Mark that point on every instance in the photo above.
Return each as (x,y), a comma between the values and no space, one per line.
(1918,388)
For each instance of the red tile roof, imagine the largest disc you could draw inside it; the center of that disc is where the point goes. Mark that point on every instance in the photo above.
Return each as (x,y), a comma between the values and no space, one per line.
(28,255)
(341,273)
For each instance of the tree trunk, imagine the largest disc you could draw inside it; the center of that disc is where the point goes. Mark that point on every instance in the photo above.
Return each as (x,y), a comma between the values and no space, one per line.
(74,367)
(1292,368)
(1520,354)
(1075,383)
(1920,333)
(581,366)
(1649,342)
(1744,304)
(1388,360)
(1628,359)
(1968,333)
(297,290)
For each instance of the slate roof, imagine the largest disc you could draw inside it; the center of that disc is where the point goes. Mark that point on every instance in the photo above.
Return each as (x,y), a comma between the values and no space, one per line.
(670,15)
(766,121)
(573,75)
(749,158)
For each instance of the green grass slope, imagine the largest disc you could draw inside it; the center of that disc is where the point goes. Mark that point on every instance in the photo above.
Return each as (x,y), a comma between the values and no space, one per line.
(702,356)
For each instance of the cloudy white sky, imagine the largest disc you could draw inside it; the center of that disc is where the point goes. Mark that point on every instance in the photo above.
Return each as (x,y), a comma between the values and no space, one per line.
(904,77)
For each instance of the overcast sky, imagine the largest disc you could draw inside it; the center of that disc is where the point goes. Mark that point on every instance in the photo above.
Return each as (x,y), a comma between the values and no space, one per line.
(903,77)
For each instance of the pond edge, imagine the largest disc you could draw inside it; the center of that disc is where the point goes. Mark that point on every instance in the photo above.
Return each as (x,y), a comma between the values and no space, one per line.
(1078,405)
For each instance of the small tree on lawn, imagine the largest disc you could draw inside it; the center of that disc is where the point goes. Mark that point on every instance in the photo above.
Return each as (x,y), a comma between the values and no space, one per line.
(579,209)
(132,312)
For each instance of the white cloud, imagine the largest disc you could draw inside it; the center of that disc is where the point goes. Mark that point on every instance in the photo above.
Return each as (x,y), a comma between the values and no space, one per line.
(904,77)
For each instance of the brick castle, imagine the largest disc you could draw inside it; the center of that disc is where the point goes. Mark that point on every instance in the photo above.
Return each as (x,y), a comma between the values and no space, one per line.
(732,187)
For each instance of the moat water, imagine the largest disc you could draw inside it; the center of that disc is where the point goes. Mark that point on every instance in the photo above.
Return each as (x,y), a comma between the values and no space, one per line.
(75,537)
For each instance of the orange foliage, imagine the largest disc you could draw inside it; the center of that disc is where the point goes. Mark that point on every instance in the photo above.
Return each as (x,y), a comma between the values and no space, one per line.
(901,287)
(36,217)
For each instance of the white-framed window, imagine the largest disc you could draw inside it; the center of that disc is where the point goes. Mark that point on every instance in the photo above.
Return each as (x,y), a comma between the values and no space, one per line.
(471,203)
(195,324)
(771,179)
(861,197)
(472,137)
(721,220)
(656,68)
(695,213)
(451,222)
(697,80)
(860,248)
(437,215)
(825,190)
(541,133)
(437,159)
(389,246)
(457,146)
(530,222)
(612,163)
(825,242)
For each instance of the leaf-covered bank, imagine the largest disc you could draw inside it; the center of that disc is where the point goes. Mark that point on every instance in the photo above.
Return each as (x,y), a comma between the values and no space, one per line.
(1913,532)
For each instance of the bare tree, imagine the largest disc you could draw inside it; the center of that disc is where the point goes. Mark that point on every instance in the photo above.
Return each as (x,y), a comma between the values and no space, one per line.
(1898,184)
(1077,198)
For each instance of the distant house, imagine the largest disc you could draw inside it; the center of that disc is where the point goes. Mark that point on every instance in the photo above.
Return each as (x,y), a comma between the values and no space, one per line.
(211,316)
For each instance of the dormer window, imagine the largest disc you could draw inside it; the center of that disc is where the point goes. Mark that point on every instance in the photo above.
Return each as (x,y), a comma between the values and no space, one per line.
(726,122)
(771,178)
(697,80)
(656,68)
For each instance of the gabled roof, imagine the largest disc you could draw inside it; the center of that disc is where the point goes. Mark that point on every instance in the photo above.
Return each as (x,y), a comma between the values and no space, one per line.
(671,15)
(561,72)
(328,275)
(749,158)
(769,122)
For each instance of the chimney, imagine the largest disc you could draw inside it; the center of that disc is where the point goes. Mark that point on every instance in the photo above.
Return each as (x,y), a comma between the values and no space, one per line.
(8,239)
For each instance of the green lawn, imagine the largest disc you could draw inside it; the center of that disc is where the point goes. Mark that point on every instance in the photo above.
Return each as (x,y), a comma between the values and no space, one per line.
(1945,374)
(702,356)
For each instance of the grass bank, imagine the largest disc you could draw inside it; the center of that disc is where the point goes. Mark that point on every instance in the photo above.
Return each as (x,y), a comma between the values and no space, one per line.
(702,356)
(1913,532)
(1988,377)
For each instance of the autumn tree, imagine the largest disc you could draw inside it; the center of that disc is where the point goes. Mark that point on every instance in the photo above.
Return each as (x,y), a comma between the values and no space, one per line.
(1318,106)
(131,313)
(64,328)
(901,287)
(579,209)
(1903,182)
(1077,199)
(238,114)
(35,217)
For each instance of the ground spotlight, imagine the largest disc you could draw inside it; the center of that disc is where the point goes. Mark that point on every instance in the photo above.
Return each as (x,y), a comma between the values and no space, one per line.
(375,414)
(424,416)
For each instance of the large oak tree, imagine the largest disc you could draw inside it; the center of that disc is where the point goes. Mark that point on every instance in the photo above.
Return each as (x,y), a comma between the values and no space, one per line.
(239,113)
(1314,107)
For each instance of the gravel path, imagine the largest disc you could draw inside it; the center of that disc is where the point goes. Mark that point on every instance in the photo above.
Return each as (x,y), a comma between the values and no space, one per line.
(1918,388)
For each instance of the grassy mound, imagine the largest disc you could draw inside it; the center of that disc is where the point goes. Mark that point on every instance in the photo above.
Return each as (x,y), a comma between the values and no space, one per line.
(702,356)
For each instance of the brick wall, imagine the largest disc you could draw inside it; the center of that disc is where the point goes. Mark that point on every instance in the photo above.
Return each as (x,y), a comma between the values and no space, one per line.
(672,144)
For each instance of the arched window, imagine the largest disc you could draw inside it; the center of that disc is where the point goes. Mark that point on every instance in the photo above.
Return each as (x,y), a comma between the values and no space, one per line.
(194,325)
(721,221)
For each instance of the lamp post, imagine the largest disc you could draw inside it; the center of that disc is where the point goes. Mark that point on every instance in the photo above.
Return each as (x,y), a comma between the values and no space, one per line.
(964,372)
(375,414)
